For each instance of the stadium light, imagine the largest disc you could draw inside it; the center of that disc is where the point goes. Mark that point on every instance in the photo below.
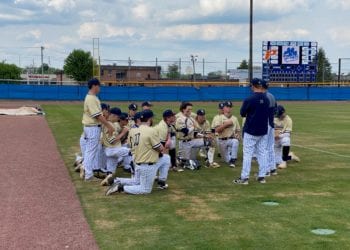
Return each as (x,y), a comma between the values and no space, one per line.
(193,60)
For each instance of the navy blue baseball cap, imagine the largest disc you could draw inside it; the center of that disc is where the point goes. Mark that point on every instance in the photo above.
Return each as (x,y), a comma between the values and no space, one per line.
(137,116)
(256,82)
(200,112)
(228,104)
(146,114)
(133,106)
(123,116)
(265,84)
(168,113)
(146,104)
(105,106)
(115,111)
(92,82)
(221,105)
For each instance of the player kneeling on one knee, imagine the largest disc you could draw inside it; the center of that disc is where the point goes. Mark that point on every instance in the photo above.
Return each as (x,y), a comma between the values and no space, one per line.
(146,147)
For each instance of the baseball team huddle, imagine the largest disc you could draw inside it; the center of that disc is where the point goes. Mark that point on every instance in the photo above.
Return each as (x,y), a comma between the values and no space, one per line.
(112,138)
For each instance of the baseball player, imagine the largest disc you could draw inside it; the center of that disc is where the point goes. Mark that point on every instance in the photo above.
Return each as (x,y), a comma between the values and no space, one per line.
(132,111)
(228,129)
(271,167)
(92,120)
(283,125)
(256,110)
(204,133)
(146,105)
(113,150)
(82,142)
(185,127)
(215,120)
(146,146)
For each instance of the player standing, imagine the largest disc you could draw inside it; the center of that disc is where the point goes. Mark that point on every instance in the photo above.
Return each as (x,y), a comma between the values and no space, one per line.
(256,110)
(92,119)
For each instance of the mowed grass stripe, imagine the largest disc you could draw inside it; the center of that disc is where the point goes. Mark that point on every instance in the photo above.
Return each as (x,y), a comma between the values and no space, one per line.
(204,210)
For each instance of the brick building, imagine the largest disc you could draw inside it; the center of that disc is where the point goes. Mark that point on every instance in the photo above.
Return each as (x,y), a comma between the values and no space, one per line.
(113,74)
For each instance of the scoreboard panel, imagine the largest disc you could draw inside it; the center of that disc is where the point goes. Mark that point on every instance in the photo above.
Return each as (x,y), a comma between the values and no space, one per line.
(289,61)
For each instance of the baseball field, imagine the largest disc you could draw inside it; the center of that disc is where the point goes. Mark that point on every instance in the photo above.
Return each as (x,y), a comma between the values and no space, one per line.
(204,210)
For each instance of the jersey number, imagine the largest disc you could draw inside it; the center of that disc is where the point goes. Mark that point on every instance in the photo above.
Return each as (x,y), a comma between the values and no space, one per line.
(136,141)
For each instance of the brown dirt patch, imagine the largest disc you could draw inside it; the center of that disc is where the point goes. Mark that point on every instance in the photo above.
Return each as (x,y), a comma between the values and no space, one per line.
(302,194)
(39,207)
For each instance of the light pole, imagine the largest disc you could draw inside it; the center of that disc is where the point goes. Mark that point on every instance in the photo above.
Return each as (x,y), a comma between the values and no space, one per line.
(250,66)
(193,60)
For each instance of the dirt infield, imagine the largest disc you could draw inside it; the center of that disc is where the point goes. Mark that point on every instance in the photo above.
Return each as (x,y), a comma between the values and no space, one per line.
(39,207)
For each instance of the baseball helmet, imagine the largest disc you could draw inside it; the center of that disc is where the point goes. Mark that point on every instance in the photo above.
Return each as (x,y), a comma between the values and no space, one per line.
(280,110)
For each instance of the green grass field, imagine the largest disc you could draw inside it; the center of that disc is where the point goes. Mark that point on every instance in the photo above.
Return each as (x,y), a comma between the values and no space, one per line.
(204,210)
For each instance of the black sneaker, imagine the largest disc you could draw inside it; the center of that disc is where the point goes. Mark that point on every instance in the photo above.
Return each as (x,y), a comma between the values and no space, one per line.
(261,180)
(273,172)
(241,181)
(162,185)
(232,163)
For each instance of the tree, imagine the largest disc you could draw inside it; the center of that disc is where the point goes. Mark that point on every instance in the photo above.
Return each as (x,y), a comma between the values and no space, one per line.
(9,71)
(243,65)
(78,65)
(324,68)
(173,71)
(216,75)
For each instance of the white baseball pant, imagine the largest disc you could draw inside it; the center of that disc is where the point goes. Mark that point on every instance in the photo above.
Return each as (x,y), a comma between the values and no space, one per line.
(91,154)
(228,149)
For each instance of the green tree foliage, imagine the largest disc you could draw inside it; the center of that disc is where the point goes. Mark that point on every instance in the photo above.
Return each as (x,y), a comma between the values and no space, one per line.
(216,75)
(9,71)
(243,65)
(78,65)
(173,71)
(324,68)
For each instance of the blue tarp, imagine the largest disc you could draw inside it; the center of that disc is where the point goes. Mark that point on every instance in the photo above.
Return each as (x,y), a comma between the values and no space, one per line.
(138,93)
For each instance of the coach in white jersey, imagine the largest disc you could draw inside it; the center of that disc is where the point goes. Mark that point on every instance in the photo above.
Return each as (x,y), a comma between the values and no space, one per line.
(92,120)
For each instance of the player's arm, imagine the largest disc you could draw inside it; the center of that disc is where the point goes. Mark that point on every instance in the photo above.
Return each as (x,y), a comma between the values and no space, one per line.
(122,134)
(104,121)
(244,109)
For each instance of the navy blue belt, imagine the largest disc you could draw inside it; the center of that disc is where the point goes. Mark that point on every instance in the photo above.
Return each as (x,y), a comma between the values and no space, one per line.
(146,163)
(97,125)
(187,140)
(225,138)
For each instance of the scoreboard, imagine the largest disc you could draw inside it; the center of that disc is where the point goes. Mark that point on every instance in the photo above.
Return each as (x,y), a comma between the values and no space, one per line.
(289,61)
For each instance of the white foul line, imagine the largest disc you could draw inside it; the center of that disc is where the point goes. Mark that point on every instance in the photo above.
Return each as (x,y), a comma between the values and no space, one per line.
(322,151)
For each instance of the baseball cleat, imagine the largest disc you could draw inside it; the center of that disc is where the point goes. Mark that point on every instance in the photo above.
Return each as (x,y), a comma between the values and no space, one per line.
(282,165)
(77,168)
(261,180)
(82,171)
(163,186)
(241,181)
(294,157)
(108,180)
(214,165)
(232,163)
(273,172)
(113,189)
(78,160)
(92,179)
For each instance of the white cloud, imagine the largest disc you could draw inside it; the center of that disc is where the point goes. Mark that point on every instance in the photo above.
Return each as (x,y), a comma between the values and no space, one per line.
(339,4)
(103,30)
(280,33)
(141,11)
(87,13)
(206,32)
(30,35)
(58,5)
(340,35)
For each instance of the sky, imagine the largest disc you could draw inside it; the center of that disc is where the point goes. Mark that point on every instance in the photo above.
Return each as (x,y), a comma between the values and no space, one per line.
(213,30)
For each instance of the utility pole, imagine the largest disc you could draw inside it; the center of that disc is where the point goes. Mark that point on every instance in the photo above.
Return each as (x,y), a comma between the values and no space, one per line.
(42,60)
(250,69)
(193,60)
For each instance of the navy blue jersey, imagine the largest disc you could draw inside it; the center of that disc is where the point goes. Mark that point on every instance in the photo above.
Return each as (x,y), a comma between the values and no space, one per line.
(272,108)
(256,110)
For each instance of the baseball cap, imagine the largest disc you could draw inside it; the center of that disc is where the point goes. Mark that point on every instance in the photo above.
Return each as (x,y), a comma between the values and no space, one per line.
(137,116)
(93,81)
(168,113)
(105,106)
(228,104)
(147,104)
(123,116)
(265,84)
(200,112)
(256,82)
(221,105)
(115,111)
(133,106)
(146,114)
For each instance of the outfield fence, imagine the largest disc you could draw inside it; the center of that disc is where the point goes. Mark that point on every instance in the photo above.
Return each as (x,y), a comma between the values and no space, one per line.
(169,93)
